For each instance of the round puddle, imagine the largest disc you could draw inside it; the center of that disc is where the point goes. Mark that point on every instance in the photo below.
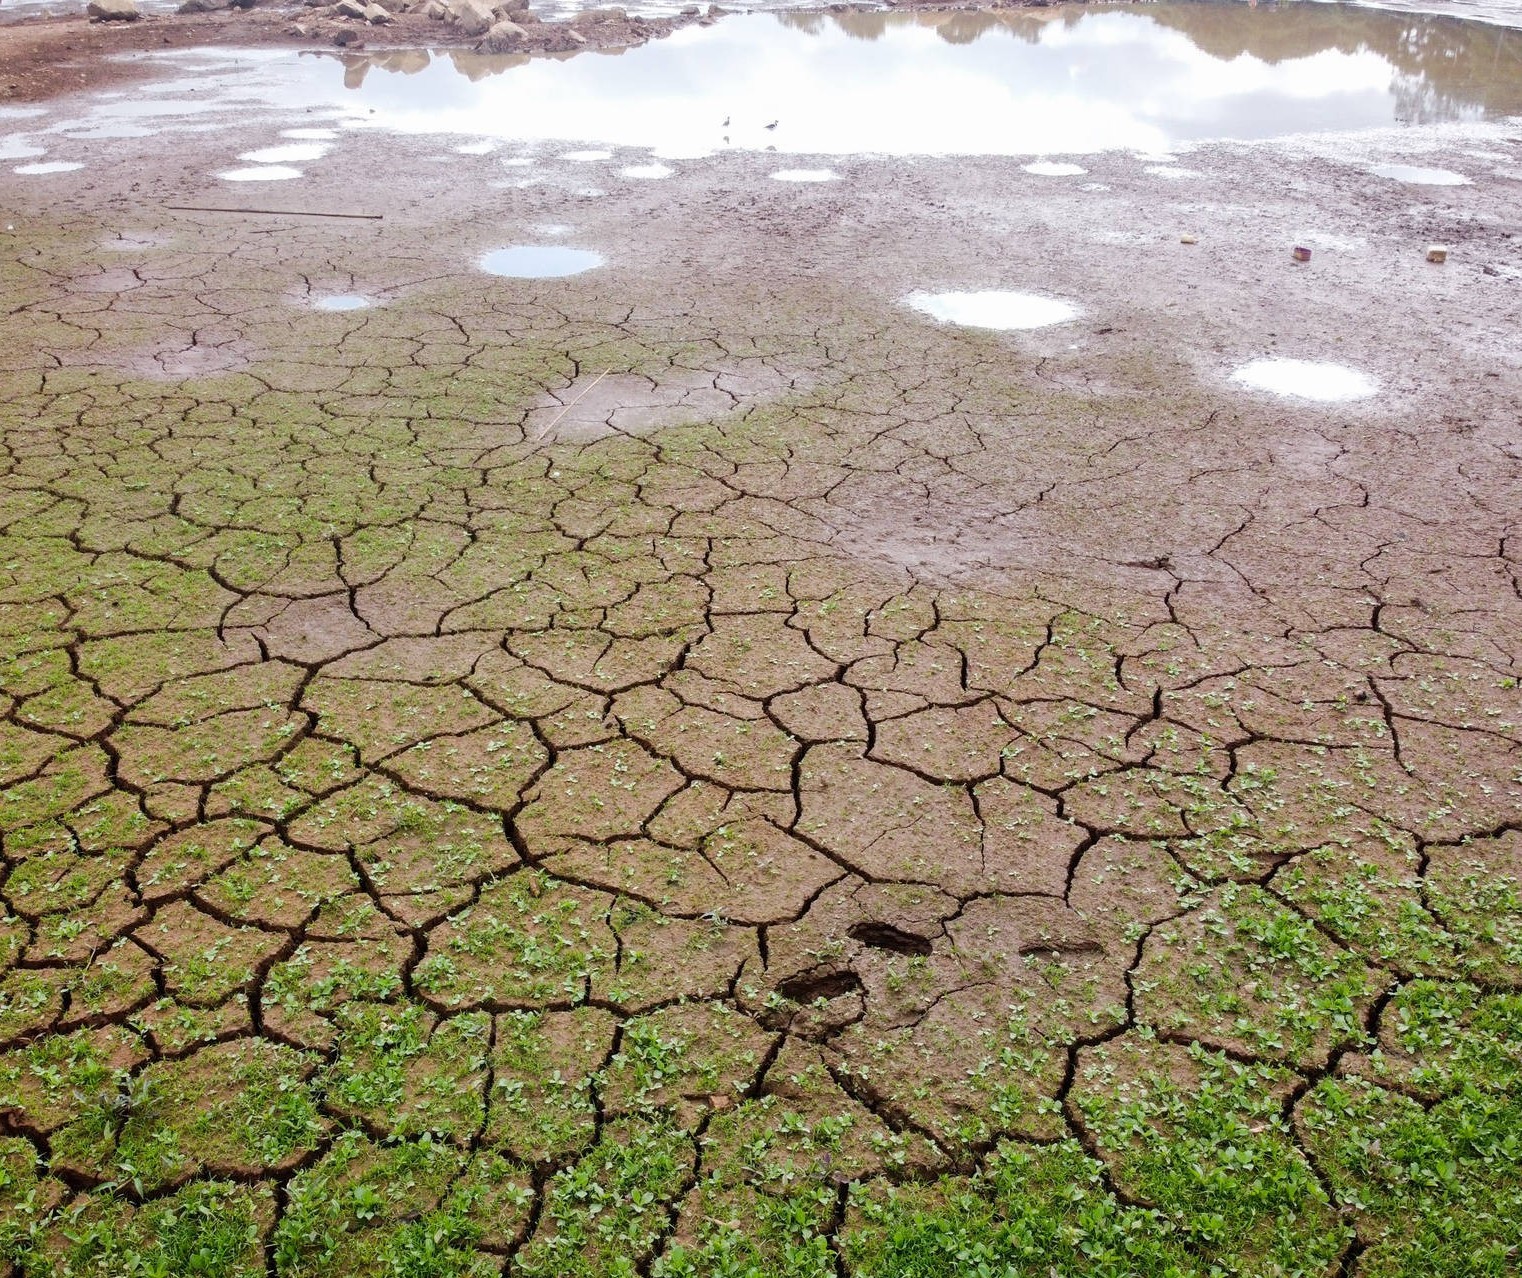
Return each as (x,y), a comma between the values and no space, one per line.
(1306,379)
(48,166)
(1054,168)
(1419,176)
(14,148)
(587,157)
(650,172)
(341,302)
(539,262)
(296,153)
(993,308)
(806,175)
(261,173)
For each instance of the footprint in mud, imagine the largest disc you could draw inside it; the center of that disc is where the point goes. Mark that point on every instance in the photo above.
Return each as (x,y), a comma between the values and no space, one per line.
(884,936)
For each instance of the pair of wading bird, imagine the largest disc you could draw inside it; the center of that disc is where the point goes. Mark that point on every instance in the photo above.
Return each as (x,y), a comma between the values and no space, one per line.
(725,125)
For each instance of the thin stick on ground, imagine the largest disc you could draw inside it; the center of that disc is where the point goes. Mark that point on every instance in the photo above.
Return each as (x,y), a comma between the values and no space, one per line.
(549,426)
(209,208)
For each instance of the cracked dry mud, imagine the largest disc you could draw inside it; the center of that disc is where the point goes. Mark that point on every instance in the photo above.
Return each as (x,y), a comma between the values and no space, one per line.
(695,769)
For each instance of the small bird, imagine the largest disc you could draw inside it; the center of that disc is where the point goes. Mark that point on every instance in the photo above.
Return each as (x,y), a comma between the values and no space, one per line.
(725,125)
(773,124)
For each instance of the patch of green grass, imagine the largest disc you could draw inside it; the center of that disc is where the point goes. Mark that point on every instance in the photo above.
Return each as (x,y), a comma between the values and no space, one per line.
(1434,1192)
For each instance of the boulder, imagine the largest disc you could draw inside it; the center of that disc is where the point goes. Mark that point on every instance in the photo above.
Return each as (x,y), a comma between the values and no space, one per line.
(113,11)
(348,38)
(350,9)
(504,37)
(474,17)
(202,6)
(435,11)
(377,16)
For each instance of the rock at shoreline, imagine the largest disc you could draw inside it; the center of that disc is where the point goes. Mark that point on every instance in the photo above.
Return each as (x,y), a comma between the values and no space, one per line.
(474,17)
(504,37)
(113,11)
(203,6)
(377,16)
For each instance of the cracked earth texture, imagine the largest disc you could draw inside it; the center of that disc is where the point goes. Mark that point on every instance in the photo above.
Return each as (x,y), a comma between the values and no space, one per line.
(694,769)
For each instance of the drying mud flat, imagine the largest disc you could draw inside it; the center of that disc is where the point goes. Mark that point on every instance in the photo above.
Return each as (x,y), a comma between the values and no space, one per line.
(801,651)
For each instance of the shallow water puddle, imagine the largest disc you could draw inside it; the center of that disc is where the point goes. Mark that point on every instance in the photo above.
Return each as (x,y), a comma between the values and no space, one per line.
(1052,168)
(296,153)
(648,172)
(806,175)
(539,261)
(48,166)
(992,308)
(1419,176)
(261,173)
(341,302)
(1054,82)
(1306,379)
(17,148)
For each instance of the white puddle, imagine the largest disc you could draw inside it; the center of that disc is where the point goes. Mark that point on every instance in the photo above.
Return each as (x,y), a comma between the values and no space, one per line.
(310,135)
(520,161)
(1419,176)
(992,308)
(16,148)
(476,148)
(1171,171)
(1306,379)
(587,157)
(48,166)
(806,175)
(341,302)
(1054,168)
(261,173)
(539,262)
(297,153)
(648,171)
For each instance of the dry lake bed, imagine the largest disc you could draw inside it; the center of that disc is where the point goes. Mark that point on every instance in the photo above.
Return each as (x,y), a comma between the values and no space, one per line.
(803,649)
